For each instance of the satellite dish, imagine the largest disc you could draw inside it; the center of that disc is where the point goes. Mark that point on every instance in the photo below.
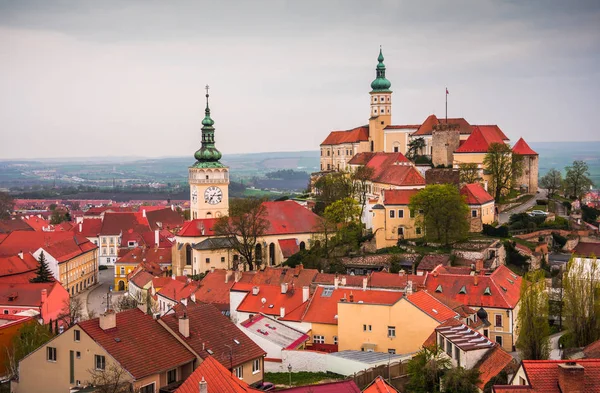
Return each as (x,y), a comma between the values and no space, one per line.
(263,300)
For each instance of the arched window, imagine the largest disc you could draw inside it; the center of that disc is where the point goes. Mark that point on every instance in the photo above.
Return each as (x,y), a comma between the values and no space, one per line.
(272,254)
(208,214)
(258,253)
(303,246)
(188,255)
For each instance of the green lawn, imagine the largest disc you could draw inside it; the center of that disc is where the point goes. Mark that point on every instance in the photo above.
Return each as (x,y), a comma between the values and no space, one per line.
(543,208)
(301,378)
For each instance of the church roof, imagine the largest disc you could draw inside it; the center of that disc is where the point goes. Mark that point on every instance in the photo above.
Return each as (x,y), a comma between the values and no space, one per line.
(355,135)
(522,148)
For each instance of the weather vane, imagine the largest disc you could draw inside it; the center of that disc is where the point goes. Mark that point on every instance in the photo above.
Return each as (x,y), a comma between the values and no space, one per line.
(207,87)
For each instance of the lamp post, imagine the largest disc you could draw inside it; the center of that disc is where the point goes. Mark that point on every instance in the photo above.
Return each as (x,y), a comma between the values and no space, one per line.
(290,371)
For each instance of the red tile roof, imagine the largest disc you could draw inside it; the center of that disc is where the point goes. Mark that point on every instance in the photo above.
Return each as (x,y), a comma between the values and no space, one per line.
(503,285)
(214,289)
(355,135)
(587,249)
(347,386)
(176,290)
(218,379)
(493,130)
(141,278)
(390,168)
(147,255)
(18,278)
(492,363)
(166,218)
(61,245)
(379,385)
(296,277)
(198,227)
(25,294)
(480,140)
(427,127)
(592,350)
(432,306)
(522,148)
(289,247)
(398,197)
(9,225)
(322,307)
(475,194)
(118,223)
(394,281)
(402,127)
(138,332)
(211,330)
(13,265)
(37,223)
(89,227)
(329,278)
(274,299)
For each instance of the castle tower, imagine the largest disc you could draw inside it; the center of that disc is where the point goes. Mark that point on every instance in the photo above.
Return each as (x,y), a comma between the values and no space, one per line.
(530,170)
(445,139)
(381,106)
(208,178)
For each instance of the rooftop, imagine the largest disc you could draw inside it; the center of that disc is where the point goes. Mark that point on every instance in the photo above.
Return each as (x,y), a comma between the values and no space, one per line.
(465,338)
(355,135)
(274,331)
(475,194)
(218,379)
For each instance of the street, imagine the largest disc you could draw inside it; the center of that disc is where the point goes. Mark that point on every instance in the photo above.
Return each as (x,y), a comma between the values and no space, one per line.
(555,352)
(94,299)
(504,216)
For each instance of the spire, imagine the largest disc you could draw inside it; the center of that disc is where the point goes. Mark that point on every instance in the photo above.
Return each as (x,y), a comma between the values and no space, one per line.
(208,156)
(380,84)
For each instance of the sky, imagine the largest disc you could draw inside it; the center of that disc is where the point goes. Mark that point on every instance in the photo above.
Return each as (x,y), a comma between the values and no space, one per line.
(126,78)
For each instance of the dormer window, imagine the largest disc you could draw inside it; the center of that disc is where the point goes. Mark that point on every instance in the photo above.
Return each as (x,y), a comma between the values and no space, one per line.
(487,291)
(439,288)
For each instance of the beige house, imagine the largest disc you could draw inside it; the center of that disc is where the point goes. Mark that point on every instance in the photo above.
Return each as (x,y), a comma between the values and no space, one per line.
(393,220)
(482,207)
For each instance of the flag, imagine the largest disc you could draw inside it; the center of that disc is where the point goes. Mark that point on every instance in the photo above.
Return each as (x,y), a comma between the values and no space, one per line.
(447,91)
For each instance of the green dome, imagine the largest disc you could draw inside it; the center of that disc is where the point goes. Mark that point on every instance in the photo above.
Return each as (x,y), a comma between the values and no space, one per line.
(208,156)
(380,83)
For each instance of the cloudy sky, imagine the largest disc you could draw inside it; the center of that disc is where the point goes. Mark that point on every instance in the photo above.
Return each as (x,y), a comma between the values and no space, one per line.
(126,78)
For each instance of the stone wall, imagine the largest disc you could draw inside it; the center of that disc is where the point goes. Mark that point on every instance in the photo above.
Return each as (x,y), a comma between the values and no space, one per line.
(442,176)
(445,140)
(529,177)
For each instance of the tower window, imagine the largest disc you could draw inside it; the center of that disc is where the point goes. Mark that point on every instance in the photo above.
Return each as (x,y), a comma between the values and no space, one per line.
(375,99)
(388,99)
(375,111)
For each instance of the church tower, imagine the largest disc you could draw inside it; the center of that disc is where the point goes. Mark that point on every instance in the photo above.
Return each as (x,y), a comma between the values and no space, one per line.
(208,178)
(381,106)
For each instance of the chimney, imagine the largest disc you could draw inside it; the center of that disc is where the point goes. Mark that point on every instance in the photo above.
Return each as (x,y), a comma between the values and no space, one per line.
(212,269)
(227,275)
(44,295)
(282,312)
(305,294)
(108,320)
(143,212)
(570,377)
(475,280)
(184,325)
(80,227)
(284,287)
(173,276)
(336,282)
(202,386)
(172,207)
(238,276)
(344,280)
(365,281)
(409,288)
(255,290)
(156,238)
(21,254)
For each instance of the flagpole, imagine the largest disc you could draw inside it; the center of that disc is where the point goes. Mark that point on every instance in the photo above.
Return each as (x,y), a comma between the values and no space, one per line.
(446,105)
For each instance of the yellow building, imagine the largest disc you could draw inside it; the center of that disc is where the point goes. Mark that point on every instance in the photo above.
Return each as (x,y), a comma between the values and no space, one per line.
(156,261)
(393,220)
(482,207)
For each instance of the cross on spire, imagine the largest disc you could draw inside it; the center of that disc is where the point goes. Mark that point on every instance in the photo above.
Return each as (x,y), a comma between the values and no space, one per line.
(207,87)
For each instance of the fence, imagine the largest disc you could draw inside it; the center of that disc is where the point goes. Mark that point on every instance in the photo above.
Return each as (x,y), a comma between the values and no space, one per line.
(394,372)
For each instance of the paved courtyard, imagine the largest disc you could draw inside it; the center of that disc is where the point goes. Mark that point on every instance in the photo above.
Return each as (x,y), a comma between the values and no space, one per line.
(95,297)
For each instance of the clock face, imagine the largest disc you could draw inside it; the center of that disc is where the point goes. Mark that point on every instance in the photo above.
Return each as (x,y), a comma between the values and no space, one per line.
(194,195)
(213,195)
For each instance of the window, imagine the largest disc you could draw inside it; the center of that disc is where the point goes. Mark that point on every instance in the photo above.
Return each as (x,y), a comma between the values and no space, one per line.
(335,340)
(148,388)
(375,99)
(256,366)
(207,260)
(392,213)
(77,335)
(391,351)
(441,341)
(486,332)
(222,259)
(418,231)
(5,311)
(318,339)
(401,231)
(366,328)
(457,355)
(51,354)
(172,376)
(396,149)
(499,340)
(122,270)
(498,320)
(448,348)
(473,213)
(78,355)
(327,152)
(100,362)
(522,381)
(239,372)
(400,213)
(391,331)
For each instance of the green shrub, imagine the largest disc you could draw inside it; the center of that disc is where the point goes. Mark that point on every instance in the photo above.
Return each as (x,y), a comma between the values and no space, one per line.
(541,202)
(501,231)
(102,267)
(559,240)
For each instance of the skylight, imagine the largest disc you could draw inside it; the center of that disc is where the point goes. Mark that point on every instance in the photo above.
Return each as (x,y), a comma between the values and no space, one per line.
(463,290)
(327,292)
(487,291)
(439,288)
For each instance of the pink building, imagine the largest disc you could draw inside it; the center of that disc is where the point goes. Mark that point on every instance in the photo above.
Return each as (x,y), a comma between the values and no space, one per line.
(49,299)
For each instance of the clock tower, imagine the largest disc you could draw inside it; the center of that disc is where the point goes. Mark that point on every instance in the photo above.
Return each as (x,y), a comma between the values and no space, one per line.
(208,178)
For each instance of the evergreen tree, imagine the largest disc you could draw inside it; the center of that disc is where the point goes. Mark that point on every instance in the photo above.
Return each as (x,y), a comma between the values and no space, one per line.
(43,273)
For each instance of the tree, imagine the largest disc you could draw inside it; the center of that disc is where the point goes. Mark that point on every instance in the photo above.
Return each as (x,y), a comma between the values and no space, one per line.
(58,216)
(361,178)
(425,370)
(415,148)
(43,273)
(503,167)
(113,379)
(330,188)
(551,181)
(247,222)
(461,380)
(343,211)
(6,205)
(32,335)
(581,299)
(72,311)
(469,173)
(124,302)
(445,213)
(533,328)
(577,180)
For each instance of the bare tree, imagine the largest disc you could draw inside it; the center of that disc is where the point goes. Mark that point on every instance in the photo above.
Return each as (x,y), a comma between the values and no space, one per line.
(72,311)
(124,302)
(113,379)
(361,178)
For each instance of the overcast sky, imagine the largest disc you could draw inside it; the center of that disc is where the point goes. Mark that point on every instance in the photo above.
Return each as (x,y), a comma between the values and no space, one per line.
(126,78)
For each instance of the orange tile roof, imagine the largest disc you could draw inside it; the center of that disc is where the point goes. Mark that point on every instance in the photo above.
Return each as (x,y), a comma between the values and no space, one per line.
(141,278)
(118,223)
(390,168)
(198,227)
(218,379)
(379,385)
(288,247)
(355,135)
(61,245)
(13,265)
(398,197)
(25,294)
(592,350)
(212,331)
(129,342)
(475,194)
(274,300)
(37,223)
(492,363)
(329,278)
(176,290)
(394,281)
(480,140)
(432,306)
(427,127)
(522,148)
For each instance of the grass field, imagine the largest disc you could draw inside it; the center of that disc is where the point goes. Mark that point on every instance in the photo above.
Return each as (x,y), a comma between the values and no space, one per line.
(301,378)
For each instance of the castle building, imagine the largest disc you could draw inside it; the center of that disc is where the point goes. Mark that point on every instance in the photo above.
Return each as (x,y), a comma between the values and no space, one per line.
(208,178)
(530,161)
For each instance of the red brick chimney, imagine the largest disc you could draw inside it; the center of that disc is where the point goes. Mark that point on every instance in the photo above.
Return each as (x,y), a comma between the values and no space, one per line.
(570,377)
(44,295)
